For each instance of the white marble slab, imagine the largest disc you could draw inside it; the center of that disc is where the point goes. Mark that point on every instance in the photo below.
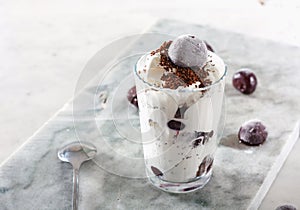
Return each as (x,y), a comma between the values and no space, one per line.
(35,179)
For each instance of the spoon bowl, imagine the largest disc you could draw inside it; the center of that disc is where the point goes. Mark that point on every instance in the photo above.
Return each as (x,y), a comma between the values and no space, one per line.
(76,153)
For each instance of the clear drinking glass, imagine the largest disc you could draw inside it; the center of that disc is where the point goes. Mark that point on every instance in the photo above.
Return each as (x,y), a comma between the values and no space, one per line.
(180,130)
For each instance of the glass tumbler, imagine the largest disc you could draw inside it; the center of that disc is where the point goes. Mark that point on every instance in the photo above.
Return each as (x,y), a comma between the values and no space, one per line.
(180,130)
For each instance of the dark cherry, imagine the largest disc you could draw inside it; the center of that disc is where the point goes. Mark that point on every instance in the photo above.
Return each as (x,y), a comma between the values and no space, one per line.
(176,125)
(202,137)
(205,166)
(253,133)
(156,171)
(180,111)
(208,46)
(190,188)
(245,81)
(132,96)
(286,207)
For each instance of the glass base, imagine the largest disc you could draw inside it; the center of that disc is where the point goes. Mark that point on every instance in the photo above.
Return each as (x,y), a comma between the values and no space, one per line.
(180,187)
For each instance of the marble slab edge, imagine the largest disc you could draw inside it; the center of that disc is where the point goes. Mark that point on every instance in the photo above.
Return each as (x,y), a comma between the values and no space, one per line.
(264,188)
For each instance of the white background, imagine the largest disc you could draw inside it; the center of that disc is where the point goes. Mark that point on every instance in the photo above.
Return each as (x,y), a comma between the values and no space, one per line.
(44,45)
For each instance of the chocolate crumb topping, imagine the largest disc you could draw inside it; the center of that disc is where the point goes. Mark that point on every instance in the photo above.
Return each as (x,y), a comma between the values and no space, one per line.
(176,76)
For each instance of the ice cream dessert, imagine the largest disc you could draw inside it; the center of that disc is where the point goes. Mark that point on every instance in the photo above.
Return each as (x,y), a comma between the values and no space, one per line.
(180,90)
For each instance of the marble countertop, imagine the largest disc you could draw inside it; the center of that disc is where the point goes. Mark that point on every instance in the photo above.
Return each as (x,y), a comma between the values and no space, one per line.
(33,177)
(43,43)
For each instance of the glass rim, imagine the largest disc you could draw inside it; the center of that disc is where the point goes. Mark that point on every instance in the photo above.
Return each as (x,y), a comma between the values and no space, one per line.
(183,89)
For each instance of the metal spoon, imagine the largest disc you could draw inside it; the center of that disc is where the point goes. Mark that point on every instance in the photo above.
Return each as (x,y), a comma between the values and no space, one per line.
(76,153)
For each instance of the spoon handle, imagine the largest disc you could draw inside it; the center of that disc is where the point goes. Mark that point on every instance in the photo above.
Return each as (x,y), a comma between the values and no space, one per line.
(75,189)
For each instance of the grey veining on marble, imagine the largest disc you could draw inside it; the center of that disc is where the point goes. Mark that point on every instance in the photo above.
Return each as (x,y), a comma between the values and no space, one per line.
(35,179)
